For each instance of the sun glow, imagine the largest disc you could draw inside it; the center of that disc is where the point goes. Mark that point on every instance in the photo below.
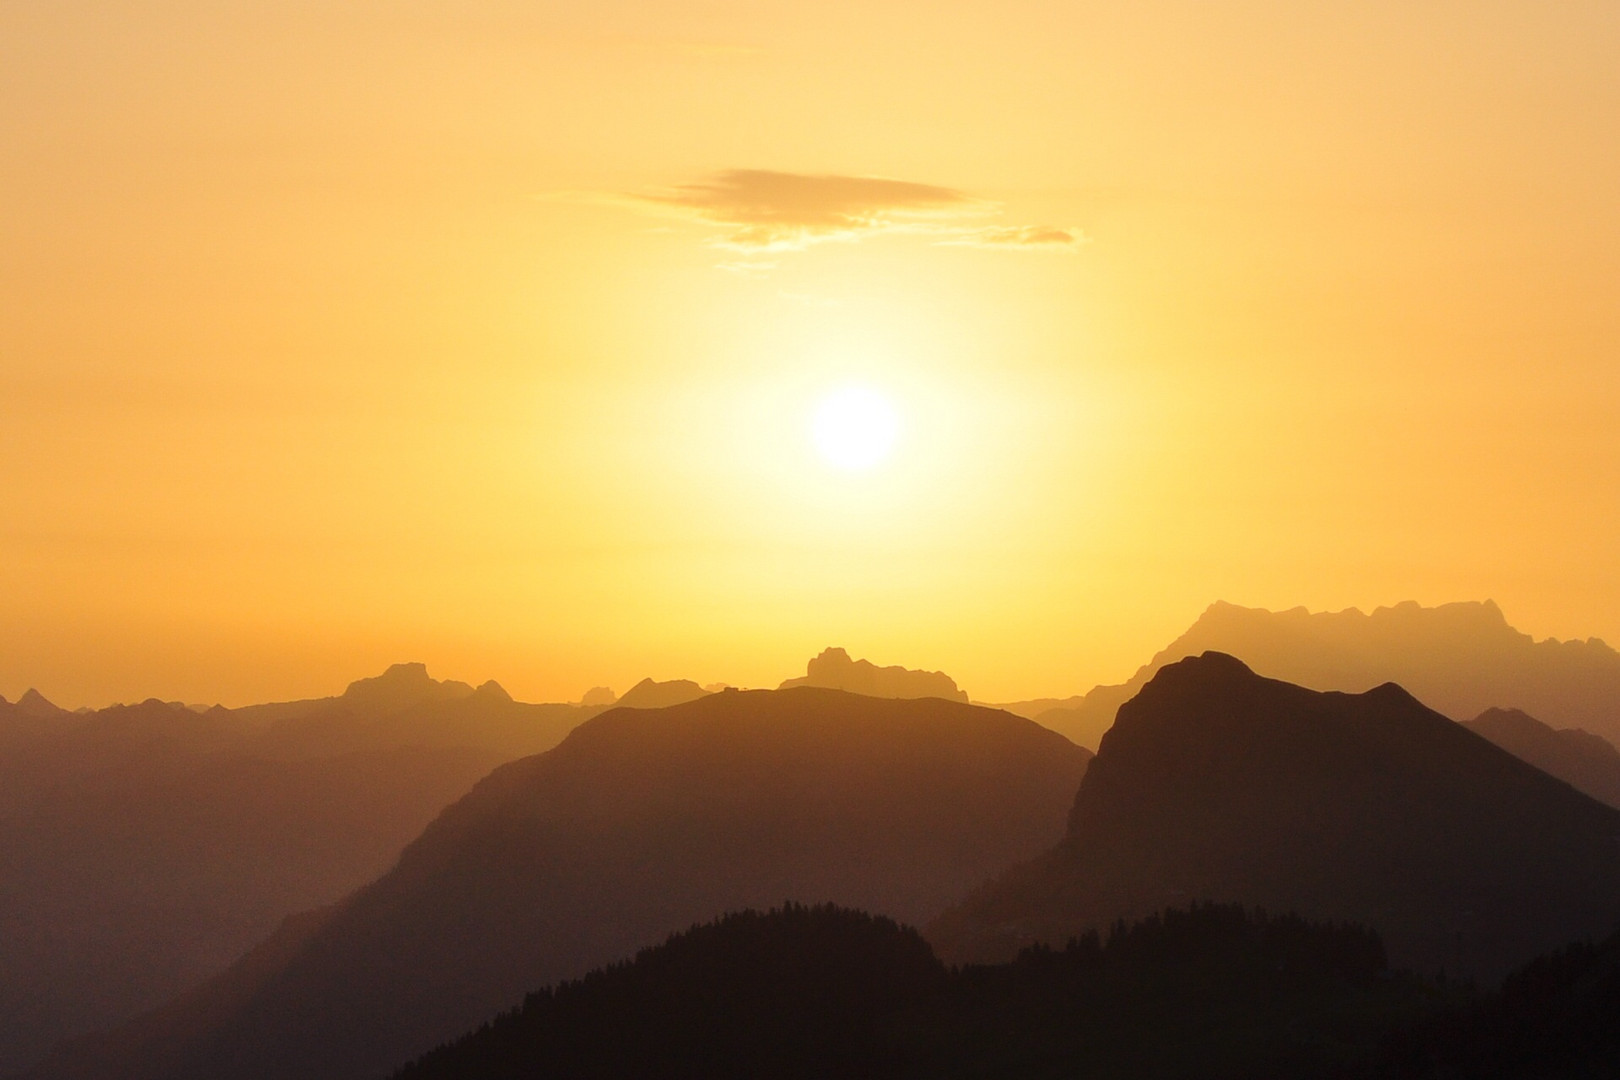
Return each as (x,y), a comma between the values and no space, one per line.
(855,428)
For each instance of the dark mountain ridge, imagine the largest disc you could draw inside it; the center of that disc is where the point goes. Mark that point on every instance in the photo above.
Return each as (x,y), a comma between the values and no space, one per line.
(640,822)
(1459,659)
(1215,782)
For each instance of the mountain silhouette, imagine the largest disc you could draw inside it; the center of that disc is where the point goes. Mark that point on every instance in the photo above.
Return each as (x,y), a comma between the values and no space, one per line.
(145,847)
(1459,659)
(1217,783)
(648,694)
(402,686)
(33,703)
(639,823)
(821,992)
(1586,762)
(599,695)
(834,670)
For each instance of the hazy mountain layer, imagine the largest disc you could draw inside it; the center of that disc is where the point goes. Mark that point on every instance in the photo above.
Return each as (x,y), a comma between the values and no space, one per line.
(1458,659)
(834,670)
(144,848)
(639,823)
(648,694)
(1586,762)
(1217,783)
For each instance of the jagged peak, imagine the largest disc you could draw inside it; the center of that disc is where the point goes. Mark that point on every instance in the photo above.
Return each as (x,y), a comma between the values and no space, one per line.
(402,685)
(833,668)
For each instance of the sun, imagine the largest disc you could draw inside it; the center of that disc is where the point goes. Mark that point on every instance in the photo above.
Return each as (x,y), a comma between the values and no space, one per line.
(855,428)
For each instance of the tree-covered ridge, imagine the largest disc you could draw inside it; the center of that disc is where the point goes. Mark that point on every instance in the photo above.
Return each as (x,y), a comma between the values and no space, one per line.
(1209,991)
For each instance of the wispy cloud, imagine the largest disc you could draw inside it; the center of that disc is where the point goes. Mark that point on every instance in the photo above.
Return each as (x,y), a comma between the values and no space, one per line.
(760,211)
(1049,237)
(777,211)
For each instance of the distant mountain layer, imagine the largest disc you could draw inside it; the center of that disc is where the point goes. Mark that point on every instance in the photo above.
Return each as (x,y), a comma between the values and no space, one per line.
(1458,659)
(648,694)
(641,822)
(1201,993)
(834,670)
(145,847)
(1217,783)
(1585,761)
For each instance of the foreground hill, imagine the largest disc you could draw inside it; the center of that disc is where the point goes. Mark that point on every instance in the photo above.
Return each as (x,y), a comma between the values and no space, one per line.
(1459,659)
(1557,1018)
(1584,761)
(639,823)
(1217,783)
(834,670)
(145,847)
(1210,992)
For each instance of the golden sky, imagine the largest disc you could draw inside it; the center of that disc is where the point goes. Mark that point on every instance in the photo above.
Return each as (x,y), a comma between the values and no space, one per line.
(491,334)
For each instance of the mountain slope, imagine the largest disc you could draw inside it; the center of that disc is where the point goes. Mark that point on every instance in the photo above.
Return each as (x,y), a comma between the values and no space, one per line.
(639,823)
(1584,761)
(145,847)
(1217,783)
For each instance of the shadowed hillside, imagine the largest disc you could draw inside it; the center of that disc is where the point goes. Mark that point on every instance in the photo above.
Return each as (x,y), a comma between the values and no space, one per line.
(1218,783)
(143,848)
(1556,1018)
(1210,992)
(1458,659)
(1584,761)
(641,822)
(834,670)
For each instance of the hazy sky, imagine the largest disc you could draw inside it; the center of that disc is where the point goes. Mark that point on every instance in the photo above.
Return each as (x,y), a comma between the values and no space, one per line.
(491,334)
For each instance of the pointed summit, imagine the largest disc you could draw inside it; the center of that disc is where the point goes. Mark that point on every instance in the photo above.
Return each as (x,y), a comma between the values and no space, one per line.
(33,703)
(834,670)
(492,691)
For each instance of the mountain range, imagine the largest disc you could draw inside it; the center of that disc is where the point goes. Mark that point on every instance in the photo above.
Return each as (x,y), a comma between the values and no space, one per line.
(834,670)
(1459,659)
(639,823)
(1215,783)
(143,848)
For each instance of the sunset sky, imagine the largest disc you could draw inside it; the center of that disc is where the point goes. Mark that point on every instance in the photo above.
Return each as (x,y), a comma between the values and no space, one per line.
(494,335)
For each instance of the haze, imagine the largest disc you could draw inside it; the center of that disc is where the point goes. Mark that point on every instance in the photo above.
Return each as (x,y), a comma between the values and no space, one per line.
(491,336)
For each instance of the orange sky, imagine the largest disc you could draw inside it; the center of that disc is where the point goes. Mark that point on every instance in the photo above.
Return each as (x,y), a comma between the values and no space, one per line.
(489,334)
